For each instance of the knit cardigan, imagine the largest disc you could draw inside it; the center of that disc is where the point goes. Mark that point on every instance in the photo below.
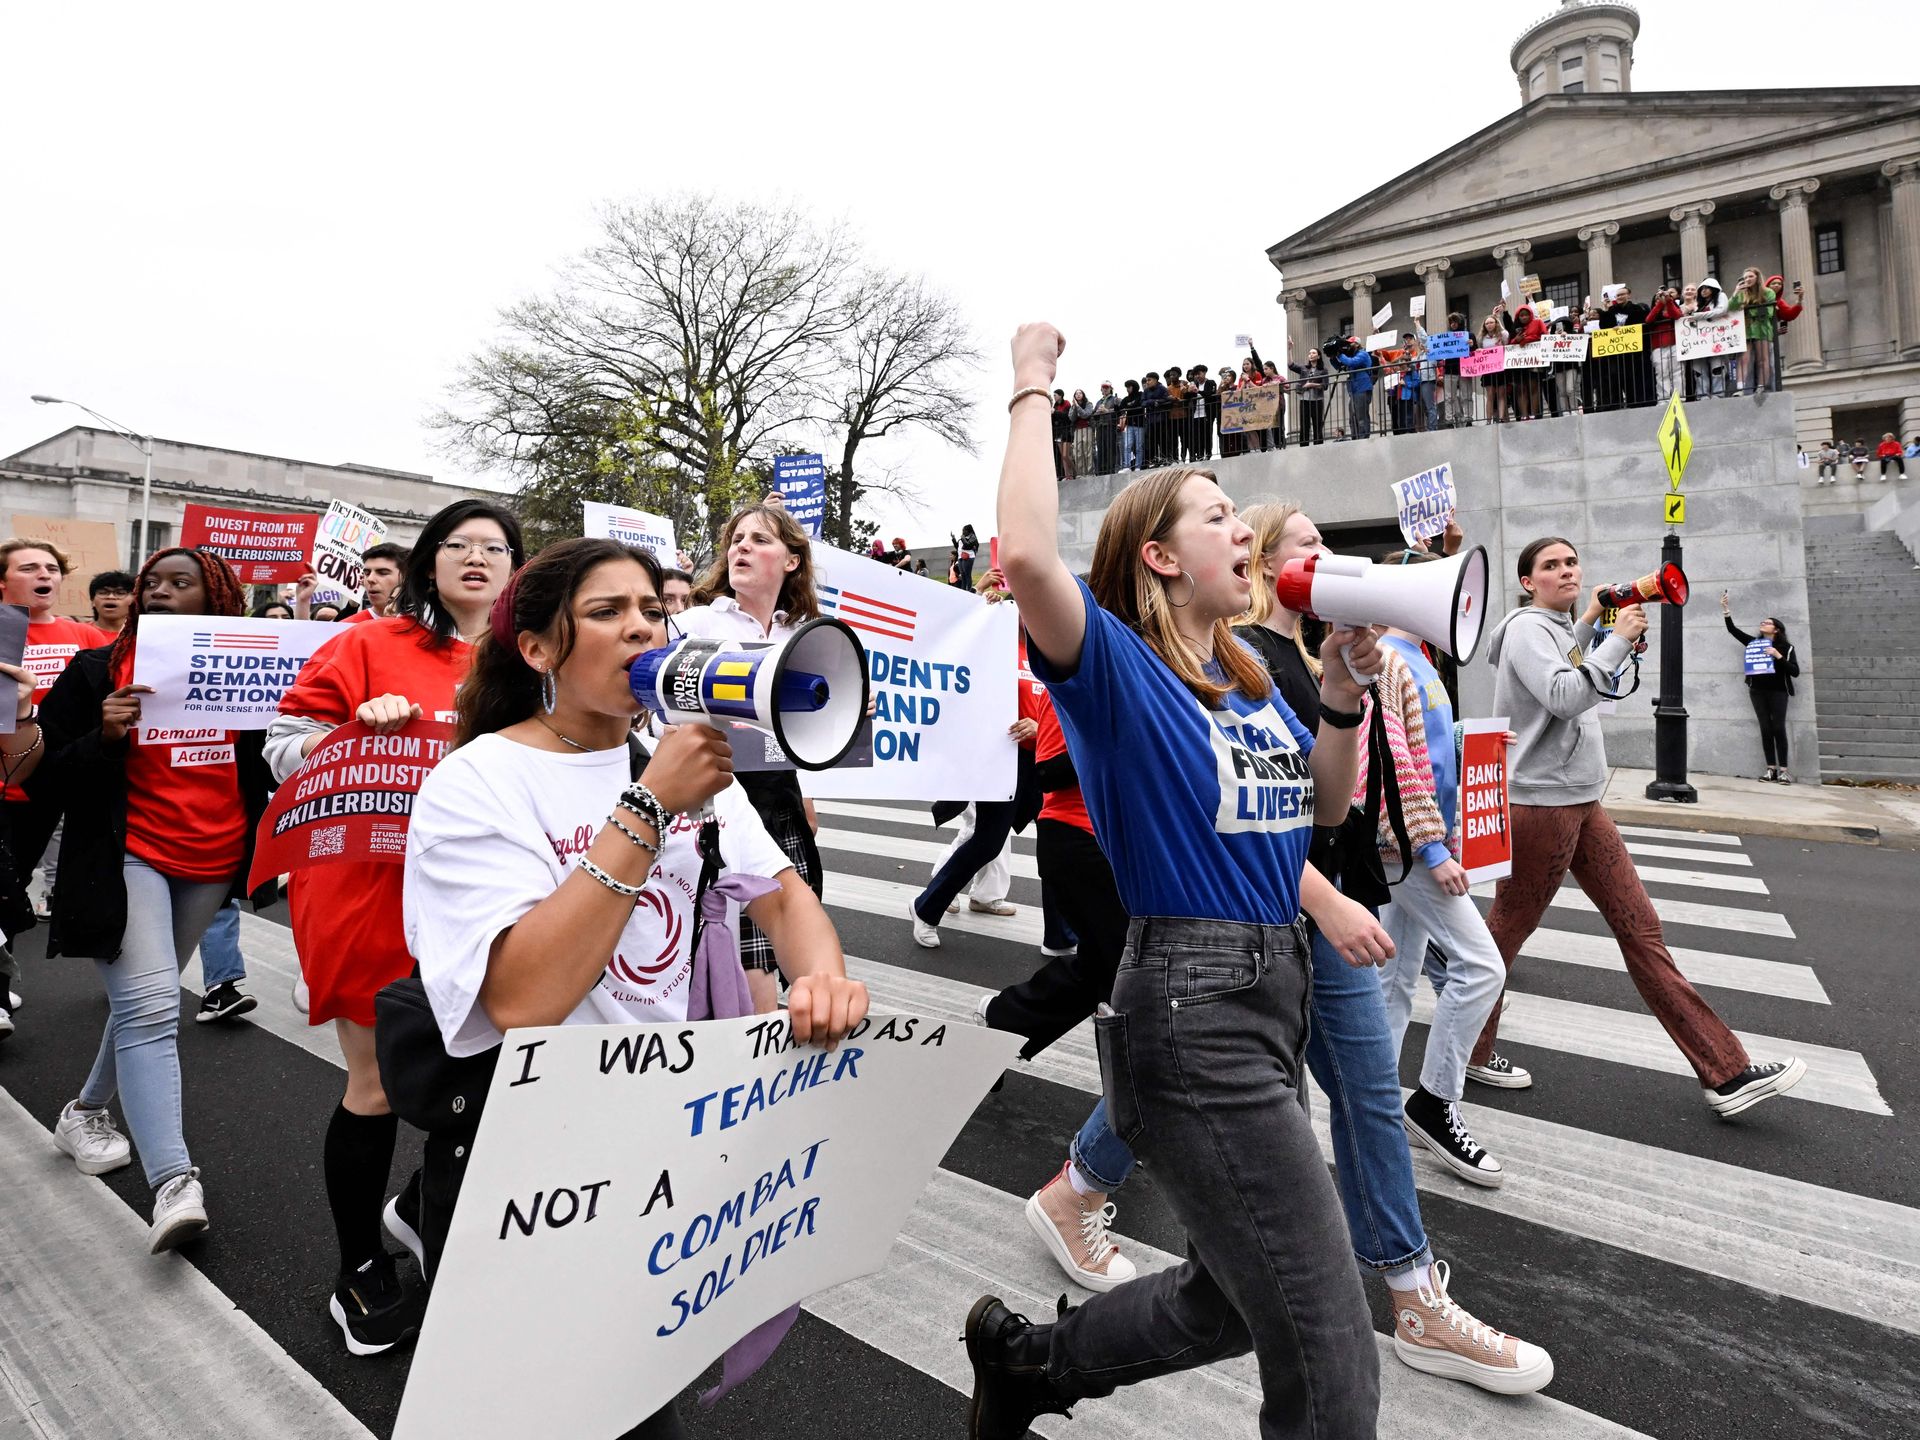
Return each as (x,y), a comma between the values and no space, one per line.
(1407,743)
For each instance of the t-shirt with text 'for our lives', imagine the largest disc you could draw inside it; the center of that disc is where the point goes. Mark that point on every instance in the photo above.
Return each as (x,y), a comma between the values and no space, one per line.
(51,646)
(498,826)
(1203,814)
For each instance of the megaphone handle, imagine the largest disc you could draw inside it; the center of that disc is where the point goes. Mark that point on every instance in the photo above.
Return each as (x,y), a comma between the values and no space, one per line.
(1346,659)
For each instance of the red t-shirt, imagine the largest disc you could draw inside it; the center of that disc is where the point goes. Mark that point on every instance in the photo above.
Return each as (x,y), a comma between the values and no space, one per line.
(185,816)
(347,915)
(1069,805)
(50,646)
(359,617)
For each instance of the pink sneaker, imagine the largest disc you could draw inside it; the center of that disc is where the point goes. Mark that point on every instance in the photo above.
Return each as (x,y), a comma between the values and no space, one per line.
(1433,1334)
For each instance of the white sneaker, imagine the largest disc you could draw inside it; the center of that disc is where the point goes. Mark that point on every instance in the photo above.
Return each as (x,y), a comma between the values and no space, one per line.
(6,1023)
(924,935)
(300,998)
(179,1213)
(992,907)
(980,1010)
(14,1002)
(91,1138)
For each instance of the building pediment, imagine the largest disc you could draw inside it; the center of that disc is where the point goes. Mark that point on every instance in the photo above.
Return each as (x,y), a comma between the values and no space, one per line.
(1562,145)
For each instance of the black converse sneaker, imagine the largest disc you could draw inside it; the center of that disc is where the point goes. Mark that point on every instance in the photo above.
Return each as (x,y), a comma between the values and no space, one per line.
(1010,1385)
(223,1002)
(1754,1084)
(373,1310)
(1438,1125)
(1501,1073)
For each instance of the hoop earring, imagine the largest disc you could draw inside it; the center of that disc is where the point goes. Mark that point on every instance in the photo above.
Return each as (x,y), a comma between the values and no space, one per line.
(549,691)
(1192,585)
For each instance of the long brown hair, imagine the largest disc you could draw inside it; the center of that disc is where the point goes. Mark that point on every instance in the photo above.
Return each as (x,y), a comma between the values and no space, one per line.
(1269,522)
(1530,553)
(1126,587)
(796,591)
(217,580)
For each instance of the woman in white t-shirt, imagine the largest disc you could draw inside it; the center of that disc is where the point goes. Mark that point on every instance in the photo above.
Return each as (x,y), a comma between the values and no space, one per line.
(543,885)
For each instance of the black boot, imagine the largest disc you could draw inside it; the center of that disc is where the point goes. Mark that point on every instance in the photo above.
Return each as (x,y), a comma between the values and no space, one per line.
(1010,1385)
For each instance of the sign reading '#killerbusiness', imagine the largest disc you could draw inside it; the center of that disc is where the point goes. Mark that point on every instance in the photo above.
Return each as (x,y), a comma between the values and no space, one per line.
(263,546)
(221,671)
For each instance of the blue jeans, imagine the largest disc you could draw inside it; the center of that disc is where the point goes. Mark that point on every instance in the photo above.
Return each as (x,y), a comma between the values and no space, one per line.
(140,1054)
(1350,1052)
(220,959)
(1132,439)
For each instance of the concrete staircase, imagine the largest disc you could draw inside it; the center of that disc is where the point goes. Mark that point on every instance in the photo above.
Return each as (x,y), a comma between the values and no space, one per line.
(1864,594)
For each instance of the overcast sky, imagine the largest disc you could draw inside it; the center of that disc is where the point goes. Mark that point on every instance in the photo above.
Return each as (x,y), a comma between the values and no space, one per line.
(279,228)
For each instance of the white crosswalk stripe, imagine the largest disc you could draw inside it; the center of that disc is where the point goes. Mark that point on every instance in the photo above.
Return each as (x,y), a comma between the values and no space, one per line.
(1700,837)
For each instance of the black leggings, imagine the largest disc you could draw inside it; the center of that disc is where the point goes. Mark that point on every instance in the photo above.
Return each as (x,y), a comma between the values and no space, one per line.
(1770,708)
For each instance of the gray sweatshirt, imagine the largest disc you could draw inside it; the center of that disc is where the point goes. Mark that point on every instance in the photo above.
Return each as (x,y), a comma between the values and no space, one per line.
(1549,703)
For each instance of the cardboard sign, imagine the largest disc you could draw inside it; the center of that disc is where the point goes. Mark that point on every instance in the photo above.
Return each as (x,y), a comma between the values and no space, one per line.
(1486,833)
(802,483)
(1566,349)
(264,547)
(227,672)
(1449,345)
(351,800)
(739,1175)
(1758,661)
(631,527)
(1382,315)
(1383,340)
(1417,307)
(1703,339)
(1528,357)
(1620,340)
(1425,502)
(1529,286)
(90,547)
(345,533)
(1484,362)
(1251,407)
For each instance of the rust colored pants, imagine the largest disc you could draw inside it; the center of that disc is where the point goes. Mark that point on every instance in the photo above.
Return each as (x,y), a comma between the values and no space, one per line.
(1549,840)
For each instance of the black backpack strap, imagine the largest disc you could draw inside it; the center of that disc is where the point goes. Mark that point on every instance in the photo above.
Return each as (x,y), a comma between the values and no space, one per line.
(1381,776)
(708,844)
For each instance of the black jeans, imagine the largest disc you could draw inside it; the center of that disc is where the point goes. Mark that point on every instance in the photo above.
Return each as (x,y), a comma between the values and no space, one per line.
(1770,709)
(1202,1067)
(992,823)
(1313,420)
(30,824)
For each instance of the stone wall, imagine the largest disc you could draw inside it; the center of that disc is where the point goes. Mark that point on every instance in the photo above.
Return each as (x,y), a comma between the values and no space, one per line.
(1598,480)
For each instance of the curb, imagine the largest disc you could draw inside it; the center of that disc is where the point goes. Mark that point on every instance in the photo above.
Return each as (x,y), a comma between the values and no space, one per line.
(1841,832)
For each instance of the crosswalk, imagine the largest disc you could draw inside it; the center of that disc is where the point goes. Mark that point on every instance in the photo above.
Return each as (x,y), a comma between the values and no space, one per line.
(1635,1235)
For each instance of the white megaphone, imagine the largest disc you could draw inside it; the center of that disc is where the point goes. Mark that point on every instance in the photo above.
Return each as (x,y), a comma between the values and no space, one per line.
(809,690)
(1444,602)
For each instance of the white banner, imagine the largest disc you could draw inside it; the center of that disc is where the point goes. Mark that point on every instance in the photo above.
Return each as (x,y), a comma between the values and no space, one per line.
(1564,348)
(1425,502)
(1417,307)
(346,533)
(594,1269)
(1384,340)
(943,668)
(1382,315)
(1702,339)
(632,527)
(1528,357)
(219,671)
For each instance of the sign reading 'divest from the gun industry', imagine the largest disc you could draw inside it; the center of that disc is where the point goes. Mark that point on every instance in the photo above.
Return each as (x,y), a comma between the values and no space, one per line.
(1486,837)
(593,1269)
(350,800)
(802,483)
(220,670)
(942,666)
(264,547)
(346,533)
(631,527)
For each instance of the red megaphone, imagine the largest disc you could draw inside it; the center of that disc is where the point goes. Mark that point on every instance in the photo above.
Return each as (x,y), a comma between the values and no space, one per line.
(1668,583)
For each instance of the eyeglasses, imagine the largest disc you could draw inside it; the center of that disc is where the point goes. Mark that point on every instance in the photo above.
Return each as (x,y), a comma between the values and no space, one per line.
(492,549)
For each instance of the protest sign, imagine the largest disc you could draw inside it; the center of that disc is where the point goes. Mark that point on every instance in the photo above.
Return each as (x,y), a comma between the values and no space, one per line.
(1251,407)
(1383,340)
(1243,342)
(593,1270)
(225,672)
(1417,307)
(1529,286)
(1506,291)
(1620,340)
(1425,501)
(1722,335)
(1449,345)
(1382,315)
(351,799)
(1528,357)
(631,527)
(1490,361)
(91,546)
(1758,661)
(1486,838)
(941,663)
(13,650)
(1565,349)
(802,483)
(264,547)
(345,533)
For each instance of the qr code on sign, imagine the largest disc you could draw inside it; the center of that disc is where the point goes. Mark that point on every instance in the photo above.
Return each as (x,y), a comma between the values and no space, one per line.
(327,840)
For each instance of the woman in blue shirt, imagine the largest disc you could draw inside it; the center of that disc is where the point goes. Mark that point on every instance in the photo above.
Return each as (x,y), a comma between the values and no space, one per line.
(1203,791)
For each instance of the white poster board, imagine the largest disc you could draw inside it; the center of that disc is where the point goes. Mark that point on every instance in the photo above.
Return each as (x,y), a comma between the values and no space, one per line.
(1704,339)
(1382,315)
(221,672)
(1425,502)
(943,666)
(1383,340)
(641,1196)
(346,533)
(1528,357)
(1417,307)
(631,527)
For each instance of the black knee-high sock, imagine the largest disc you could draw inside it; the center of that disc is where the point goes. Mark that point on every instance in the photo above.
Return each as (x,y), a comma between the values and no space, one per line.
(357,1157)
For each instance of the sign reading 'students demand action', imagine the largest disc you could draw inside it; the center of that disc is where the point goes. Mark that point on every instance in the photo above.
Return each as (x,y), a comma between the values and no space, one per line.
(218,670)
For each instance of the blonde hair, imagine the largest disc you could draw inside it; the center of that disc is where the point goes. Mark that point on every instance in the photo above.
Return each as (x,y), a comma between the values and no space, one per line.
(796,590)
(1127,588)
(1269,521)
(10,548)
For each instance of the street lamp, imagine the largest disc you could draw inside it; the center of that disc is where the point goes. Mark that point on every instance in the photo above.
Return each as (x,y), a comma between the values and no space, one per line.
(145,442)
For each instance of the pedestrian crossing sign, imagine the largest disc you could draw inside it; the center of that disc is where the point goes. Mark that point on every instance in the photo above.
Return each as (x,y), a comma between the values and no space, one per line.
(1676,443)
(1676,509)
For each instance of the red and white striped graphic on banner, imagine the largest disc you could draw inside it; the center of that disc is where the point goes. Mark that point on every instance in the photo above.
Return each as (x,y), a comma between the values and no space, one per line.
(863,612)
(215,640)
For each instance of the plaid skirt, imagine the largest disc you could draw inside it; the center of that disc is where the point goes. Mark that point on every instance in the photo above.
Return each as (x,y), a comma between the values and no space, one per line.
(790,832)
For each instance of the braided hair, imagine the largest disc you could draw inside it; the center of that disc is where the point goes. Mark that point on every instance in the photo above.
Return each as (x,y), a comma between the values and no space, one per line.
(222,586)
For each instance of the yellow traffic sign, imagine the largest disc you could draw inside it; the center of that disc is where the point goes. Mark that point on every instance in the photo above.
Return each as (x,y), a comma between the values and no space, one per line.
(1676,509)
(1676,442)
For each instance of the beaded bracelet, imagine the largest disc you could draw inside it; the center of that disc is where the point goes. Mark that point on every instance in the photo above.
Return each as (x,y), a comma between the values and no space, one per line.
(595,872)
(634,836)
(644,803)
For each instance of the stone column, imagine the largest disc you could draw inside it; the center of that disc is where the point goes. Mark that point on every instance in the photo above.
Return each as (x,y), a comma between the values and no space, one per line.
(1435,273)
(1590,66)
(1903,179)
(1599,242)
(1800,346)
(1361,288)
(1691,222)
(1297,336)
(1513,264)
